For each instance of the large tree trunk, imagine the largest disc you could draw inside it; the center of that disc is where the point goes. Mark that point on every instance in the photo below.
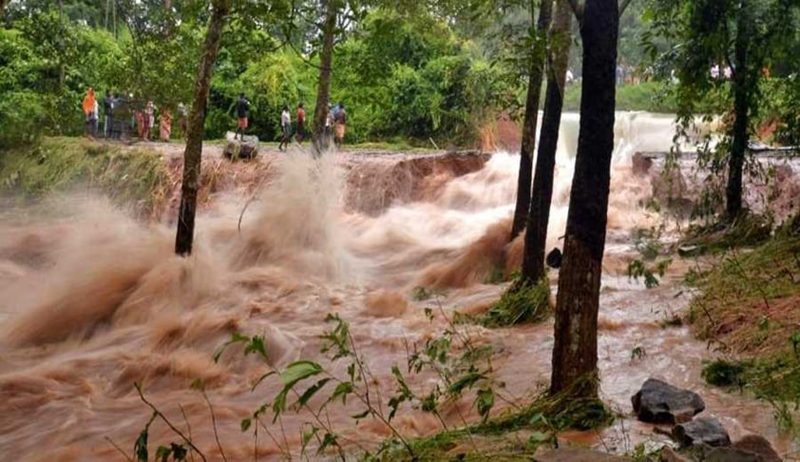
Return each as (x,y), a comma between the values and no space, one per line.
(531,116)
(575,349)
(192,156)
(321,137)
(539,212)
(741,105)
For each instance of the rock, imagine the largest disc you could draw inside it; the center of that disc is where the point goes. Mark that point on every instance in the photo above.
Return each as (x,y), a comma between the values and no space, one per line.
(758,445)
(554,258)
(668,454)
(641,164)
(729,454)
(577,455)
(661,403)
(706,453)
(704,430)
(246,148)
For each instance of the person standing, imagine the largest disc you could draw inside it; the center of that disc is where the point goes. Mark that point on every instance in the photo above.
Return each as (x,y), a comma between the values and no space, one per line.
(286,121)
(340,123)
(89,108)
(301,122)
(165,125)
(182,118)
(148,121)
(108,112)
(94,118)
(242,111)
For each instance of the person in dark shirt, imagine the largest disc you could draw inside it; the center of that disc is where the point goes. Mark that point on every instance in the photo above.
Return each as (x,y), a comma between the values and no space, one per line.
(242,109)
(108,110)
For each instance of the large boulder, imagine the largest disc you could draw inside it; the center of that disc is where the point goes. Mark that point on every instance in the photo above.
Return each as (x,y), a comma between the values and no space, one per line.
(246,148)
(759,446)
(660,403)
(703,430)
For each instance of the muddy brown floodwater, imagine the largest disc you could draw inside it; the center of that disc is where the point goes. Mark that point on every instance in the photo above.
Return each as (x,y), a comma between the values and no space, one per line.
(92,301)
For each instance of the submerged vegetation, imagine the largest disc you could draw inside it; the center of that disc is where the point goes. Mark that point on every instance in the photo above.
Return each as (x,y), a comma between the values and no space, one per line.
(522,303)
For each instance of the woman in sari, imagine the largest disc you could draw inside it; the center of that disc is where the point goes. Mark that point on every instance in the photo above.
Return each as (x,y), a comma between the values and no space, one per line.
(90,111)
(165,125)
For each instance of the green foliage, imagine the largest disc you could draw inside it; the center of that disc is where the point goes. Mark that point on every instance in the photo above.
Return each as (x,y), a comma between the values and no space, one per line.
(521,303)
(724,373)
(747,230)
(650,273)
(46,68)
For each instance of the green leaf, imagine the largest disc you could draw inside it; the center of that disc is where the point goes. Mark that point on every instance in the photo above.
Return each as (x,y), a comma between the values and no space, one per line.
(256,345)
(298,371)
(245,424)
(163,453)
(306,438)
(360,415)
(236,337)
(343,389)
(329,439)
(311,391)
(485,402)
(465,381)
(261,379)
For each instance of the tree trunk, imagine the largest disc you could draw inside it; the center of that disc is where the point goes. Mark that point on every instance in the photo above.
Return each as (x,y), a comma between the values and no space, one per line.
(539,213)
(321,136)
(575,348)
(741,105)
(192,156)
(531,116)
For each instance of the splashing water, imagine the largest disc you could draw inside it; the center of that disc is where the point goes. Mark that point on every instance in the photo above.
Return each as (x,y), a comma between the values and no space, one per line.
(94,301)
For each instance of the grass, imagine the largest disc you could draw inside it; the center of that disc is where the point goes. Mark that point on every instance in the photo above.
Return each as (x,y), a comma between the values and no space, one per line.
(748,307)
(646,96)
(746,231)
(520,304)
(515,435)
(129,176)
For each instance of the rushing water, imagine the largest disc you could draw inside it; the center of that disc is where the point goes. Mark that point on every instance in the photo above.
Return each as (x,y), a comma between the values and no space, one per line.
(93,301)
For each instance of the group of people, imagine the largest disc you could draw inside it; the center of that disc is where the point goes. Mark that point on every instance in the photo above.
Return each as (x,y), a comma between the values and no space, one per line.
(335,122)
(122,114)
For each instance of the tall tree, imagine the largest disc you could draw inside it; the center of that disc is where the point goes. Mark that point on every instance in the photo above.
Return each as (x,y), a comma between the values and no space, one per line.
(535,78)
(192,156)
(738,37)
(328,30)
(541,197)
(577,303)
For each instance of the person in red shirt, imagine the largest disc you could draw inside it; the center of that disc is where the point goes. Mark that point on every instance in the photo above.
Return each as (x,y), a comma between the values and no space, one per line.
(301,121)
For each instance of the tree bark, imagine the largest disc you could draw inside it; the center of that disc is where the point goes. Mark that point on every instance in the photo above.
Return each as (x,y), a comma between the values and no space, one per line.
(577,303)
(541,197)
(322,138)
(192,156)
(741,108)
(531,116)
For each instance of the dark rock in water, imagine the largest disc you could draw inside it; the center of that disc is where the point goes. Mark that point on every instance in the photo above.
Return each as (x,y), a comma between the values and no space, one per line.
(758,445)
(641,164)
(577,455)
(706,453)
(554,258)
(661,403)
(704,430)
